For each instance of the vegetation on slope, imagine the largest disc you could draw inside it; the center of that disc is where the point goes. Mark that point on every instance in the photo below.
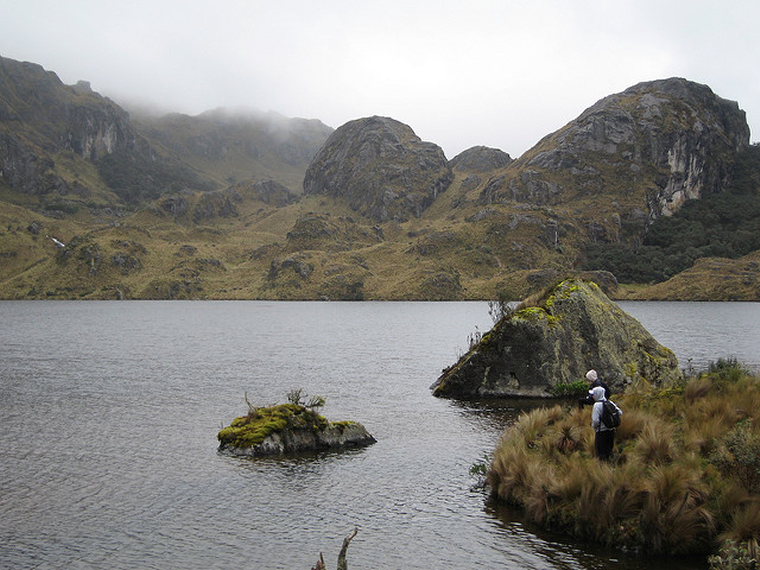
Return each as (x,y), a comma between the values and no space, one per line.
(685,476)
(718,225)
(125,192)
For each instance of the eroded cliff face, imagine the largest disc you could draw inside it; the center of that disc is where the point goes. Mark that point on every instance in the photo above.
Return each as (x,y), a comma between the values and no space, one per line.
(41,117)
(574,327)
(668,141)
(381,168)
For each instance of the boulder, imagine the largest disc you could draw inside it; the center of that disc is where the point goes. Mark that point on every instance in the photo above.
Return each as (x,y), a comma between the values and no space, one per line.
(554,340)
(287,429)
(381,167)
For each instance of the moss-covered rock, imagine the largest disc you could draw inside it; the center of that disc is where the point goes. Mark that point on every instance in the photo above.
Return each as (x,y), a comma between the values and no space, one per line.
(289,428)
(554,340)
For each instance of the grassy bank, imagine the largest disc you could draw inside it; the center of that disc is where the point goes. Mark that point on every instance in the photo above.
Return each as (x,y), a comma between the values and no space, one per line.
(685,476)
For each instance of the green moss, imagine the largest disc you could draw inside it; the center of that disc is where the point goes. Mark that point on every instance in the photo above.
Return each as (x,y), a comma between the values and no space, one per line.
(342,425)
(535,314)
(251,430)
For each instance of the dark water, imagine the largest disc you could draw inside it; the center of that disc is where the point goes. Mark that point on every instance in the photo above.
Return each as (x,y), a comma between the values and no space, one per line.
(109,412)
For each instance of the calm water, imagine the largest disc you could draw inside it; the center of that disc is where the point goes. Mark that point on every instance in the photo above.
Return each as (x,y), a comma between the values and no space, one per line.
(109,412)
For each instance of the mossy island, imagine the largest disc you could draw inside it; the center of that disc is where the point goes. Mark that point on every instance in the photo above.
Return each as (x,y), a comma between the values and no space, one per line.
(684,478)
(290,428)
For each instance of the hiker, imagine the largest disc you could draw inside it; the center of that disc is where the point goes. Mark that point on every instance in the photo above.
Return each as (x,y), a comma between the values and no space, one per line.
(604,423)
(593,377)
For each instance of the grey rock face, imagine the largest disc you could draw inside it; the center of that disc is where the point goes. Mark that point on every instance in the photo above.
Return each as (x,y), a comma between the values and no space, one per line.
(480,159)
(25,170)
(381,167)
(219,203)
(305,440)
(42,117)
(273,193)
(671,139)
(573,328)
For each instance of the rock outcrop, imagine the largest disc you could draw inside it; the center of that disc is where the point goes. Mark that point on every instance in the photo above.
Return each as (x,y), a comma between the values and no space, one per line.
(381,168)
(273,193)
(571,328)
(480,159)
(287,429)
(669,140)
(42,119)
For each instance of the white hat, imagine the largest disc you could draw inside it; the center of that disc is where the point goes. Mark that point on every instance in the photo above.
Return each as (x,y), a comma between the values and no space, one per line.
(597,393)
(591,375)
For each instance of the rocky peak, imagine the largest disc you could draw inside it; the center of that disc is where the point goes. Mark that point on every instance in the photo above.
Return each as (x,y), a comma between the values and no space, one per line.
(668,141)
(381,167)
(480,159)
(40,117)
(73,118)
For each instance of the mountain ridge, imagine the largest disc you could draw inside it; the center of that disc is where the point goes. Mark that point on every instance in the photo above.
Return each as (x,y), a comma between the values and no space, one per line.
(375,225)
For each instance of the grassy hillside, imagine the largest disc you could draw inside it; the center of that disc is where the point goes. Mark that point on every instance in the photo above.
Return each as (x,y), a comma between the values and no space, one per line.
(315,248)
(229,147)
(212,206)
(235,245)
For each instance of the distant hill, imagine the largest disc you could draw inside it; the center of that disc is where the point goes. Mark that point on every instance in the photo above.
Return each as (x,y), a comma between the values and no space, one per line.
(642,185)
(231,147)
(68,143)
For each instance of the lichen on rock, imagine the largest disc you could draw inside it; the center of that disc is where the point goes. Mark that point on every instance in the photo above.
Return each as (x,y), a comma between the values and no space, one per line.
(553,340)
(289,428)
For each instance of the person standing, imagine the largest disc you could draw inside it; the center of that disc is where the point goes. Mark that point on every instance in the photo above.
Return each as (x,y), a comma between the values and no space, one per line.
(605,435)
(593,377)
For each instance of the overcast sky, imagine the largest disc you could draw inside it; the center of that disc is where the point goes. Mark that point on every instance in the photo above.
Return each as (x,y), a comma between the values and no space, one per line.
(499,73)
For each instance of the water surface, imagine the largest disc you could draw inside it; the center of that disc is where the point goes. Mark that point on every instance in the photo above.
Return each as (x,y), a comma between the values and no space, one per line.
(109,412)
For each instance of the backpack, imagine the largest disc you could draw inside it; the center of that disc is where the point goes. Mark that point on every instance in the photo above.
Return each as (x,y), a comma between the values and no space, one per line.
(610,414)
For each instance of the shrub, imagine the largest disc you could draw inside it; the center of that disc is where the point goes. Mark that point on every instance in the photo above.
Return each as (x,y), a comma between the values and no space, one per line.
(571,389)
(727,369)
(738,454)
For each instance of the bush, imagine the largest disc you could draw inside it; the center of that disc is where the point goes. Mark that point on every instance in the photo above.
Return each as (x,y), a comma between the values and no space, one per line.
(727,369)
(726,224)
(738,455)
(569,390)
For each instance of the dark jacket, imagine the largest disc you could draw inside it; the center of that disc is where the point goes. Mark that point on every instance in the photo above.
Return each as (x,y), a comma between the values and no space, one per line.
(588,400)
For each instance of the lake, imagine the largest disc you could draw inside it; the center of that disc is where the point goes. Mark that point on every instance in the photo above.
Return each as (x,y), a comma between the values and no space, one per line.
(109,413)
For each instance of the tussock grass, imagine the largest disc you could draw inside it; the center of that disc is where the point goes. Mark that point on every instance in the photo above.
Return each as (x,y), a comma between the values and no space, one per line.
(685,476)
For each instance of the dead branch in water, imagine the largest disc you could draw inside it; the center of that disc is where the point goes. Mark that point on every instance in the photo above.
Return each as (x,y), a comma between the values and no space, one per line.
(342,563)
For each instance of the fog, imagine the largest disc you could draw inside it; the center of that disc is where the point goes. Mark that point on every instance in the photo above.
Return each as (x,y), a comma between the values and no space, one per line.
(496,73)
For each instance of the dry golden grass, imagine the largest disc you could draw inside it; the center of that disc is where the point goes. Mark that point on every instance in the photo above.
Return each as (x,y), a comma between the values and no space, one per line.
(681,479)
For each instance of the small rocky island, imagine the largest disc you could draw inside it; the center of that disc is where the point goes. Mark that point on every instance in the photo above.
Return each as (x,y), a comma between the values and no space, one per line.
(295,427)
(550,340)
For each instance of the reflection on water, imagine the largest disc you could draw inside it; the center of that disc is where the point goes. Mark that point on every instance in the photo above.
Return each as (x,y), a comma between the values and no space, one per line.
(109,413)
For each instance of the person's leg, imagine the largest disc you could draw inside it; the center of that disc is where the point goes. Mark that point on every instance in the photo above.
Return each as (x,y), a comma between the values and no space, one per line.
(604,442)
